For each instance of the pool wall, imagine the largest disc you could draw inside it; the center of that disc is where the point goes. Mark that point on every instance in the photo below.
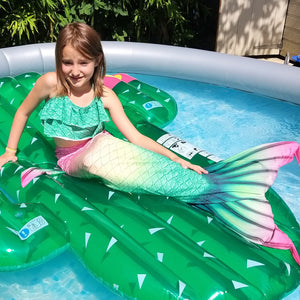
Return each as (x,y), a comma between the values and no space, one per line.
(270,79)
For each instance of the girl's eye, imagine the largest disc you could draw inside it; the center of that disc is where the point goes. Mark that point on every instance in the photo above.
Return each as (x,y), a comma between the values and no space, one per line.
(67,63)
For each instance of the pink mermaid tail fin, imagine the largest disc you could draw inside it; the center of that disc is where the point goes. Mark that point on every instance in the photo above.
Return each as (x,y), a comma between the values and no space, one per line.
(280,240)
(33,172)
(242,181)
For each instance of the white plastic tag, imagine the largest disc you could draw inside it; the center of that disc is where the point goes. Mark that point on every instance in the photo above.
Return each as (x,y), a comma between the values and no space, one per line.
(31,227)
(151,104)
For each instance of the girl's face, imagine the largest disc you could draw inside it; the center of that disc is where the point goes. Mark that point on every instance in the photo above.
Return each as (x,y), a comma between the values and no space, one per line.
(77,69)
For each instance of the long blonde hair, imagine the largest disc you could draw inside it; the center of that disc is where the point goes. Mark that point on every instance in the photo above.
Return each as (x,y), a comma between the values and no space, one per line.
(86,40)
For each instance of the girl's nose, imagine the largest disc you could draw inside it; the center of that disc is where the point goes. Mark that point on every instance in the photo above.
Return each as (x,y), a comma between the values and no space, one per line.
(75,70)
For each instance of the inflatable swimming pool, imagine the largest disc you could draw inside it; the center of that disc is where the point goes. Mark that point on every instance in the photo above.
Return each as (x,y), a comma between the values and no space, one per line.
(242,73)
(143,247)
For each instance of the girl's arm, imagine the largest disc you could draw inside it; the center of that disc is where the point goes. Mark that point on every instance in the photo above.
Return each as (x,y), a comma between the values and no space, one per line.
(118,116)
(42,89)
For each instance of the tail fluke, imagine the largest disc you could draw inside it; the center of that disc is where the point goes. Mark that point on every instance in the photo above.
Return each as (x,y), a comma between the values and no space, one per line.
(237,196)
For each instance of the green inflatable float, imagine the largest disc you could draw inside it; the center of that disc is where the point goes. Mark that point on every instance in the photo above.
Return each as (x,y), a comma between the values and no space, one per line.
(142,247)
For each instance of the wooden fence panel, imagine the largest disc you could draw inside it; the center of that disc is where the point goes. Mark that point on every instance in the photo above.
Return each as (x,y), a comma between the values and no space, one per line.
(291,35)
(251,27)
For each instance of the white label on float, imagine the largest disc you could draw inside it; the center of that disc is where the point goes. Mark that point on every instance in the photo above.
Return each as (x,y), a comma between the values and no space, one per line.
(164,138)
(203,153)
(171,142)
(179,146)
(31,227)
(183,148)
(151,104)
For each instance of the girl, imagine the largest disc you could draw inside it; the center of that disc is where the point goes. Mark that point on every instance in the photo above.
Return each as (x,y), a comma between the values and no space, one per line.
(74,115)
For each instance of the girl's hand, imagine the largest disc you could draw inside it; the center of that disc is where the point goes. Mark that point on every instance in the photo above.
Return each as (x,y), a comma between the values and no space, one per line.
(6,157)
(187,165)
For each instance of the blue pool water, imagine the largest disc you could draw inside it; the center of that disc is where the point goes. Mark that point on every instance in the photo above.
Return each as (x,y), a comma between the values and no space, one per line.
(219,120)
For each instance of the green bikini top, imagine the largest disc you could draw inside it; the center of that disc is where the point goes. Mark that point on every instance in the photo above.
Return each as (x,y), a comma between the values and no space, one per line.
(64,119)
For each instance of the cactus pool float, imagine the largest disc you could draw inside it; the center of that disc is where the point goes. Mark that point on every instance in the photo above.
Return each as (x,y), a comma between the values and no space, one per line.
(141,246)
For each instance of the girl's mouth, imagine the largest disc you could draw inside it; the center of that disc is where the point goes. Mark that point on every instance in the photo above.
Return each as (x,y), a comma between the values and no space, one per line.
(75,79)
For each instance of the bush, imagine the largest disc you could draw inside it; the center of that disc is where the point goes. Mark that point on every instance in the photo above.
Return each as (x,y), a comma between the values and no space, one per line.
(174,22)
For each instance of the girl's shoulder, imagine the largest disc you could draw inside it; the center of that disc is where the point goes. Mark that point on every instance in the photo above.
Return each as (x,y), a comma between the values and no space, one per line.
(48,82)
(109,95)
(49,79)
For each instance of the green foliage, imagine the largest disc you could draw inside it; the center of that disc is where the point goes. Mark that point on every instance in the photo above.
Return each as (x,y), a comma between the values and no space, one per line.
(173,22)
(158,21)
(30,21)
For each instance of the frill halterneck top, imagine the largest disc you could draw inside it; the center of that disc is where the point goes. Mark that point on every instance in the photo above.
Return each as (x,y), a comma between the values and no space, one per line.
(62,118)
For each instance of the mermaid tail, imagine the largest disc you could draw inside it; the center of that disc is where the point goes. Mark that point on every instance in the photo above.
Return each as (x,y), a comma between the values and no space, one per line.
(234,190)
